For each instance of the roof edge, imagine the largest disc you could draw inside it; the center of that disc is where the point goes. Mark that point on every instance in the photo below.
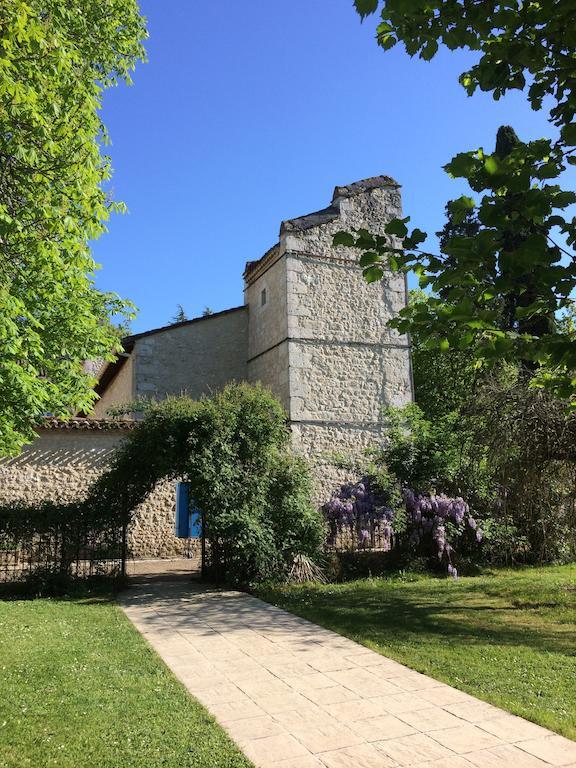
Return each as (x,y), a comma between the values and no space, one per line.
(128,341)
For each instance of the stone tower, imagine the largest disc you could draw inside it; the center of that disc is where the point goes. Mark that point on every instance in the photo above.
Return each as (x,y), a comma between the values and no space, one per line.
(317,332)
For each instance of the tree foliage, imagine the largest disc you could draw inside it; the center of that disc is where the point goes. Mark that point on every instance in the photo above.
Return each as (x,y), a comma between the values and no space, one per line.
(56,59)
(179,316)
(501,283)
(488,436)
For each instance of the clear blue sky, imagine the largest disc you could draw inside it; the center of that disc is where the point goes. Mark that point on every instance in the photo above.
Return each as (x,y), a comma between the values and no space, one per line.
(250,113)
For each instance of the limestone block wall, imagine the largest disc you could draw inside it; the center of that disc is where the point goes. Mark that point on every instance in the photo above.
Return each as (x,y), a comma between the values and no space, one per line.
(345,364)
(194,358)
(60,466)
(266,297)
(119,392)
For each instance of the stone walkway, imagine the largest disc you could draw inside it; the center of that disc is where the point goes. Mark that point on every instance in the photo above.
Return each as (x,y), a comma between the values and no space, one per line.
(295,695)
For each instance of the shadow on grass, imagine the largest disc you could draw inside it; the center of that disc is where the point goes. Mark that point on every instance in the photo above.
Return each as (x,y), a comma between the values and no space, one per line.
(473,617)
(95,589)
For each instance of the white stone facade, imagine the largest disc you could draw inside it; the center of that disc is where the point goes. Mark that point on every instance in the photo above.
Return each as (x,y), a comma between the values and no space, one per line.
(310,329)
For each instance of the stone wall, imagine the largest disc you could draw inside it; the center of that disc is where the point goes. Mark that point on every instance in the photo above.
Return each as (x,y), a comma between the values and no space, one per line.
(194,358)
(119,392)
(60,466)
(268,326)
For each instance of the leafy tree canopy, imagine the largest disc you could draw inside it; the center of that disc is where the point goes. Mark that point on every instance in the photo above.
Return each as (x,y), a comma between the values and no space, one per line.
(506,271)
(55,61)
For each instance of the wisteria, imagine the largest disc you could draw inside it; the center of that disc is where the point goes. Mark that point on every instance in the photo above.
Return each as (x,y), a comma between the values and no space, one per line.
(428,518)
(359,517)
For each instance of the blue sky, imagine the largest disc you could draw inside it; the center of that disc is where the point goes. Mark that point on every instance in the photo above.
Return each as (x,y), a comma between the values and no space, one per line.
(250,113)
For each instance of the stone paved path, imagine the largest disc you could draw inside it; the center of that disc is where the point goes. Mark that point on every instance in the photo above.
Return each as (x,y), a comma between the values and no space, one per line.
(295,695)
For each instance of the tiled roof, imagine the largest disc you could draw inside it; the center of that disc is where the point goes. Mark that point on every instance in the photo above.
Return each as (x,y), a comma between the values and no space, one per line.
(86,423)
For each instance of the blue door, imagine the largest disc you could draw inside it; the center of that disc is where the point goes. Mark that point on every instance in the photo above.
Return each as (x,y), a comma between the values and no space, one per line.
(188,516)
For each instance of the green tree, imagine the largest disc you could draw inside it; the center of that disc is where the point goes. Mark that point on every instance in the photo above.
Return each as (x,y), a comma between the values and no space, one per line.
(499,284)
(56,59)
(180,316)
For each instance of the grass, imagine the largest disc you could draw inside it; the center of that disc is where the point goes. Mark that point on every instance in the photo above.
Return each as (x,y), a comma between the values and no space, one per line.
(508,637)
(80,688)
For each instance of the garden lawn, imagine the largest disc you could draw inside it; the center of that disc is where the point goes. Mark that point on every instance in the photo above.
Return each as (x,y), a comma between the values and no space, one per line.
(80,688)
(508,637)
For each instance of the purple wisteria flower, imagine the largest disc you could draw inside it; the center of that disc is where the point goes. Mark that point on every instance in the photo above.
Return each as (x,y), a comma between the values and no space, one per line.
(358,516)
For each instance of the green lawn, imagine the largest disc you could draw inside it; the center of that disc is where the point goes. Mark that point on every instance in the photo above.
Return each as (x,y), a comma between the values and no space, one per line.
(508,637)
(81,689)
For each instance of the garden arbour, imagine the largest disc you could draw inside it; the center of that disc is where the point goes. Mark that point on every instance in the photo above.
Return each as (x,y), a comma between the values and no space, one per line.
(232,450)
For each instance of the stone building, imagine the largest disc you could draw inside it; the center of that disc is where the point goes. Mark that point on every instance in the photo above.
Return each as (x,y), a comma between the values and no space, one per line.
(310,329)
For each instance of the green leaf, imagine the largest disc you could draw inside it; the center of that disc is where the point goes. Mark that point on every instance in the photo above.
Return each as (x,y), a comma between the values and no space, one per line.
(491,164)
(563,199)
(429,50)
(373,274)
(344,238)
(366,7)
(415,239)
(568,134)
(368,258)
(397,227)
(462,165)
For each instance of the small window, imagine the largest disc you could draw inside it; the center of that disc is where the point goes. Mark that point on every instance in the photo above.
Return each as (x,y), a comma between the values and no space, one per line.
(263,297)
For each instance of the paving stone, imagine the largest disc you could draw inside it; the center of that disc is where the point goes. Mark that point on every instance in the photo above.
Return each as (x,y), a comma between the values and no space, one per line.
(373,659)
(412,681)
(236,710)
(291,669)
(385,668)
(309,716)
(282,702)
(405,702)
(220,694)
(358,709)
(196,683)
(272,749)
(382,727)
(512,729)
(264,686)
(555,750)
(327,662)
(311,682)
(299,762)
(442,695)
(455,761)
(327,737)
(474,711)
(431,719)
(253,728)
(414,749)
(334,695)
(363,682)
(361,756)
(505,756)
(465,738)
